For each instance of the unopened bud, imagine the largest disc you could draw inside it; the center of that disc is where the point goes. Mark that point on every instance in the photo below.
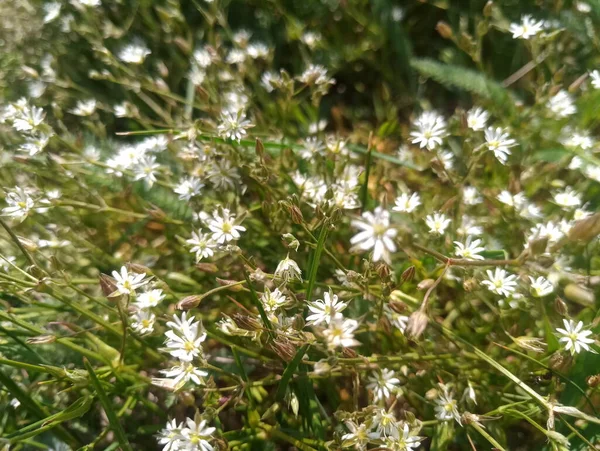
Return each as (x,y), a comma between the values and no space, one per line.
(397,306)
(383,270)
(470,285)
(417,322)
(425,284)
(407,274)
(444,30)
(290,241)
(530,343)
(107,285)
(487,9)
(296,214)
(207,267)
(538,246)
(283,348)
(349,353)
(271,411)
(41,340)
(579,294)
(138,269)
(585,229)
(232,284)
(593,381)
(560,361)
(561,307)
(246,322)
(28,244)
(189,302)
(156,213)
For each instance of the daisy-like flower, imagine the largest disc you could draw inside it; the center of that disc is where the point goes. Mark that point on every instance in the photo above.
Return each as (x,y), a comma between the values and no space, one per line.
(127,282)
(469,250)
(396,319)
(540,287)
(568,198)
(184,338)
(528,28)
(287,270)
(316,74)
(312,146)
(184,372)
(196,436)
(561,104)
(145,169)
(430,131)
(234,126)
(383,383)
(404,441)
(500,282)
(384,423)
(575,337)
(150,298)
(477,118)
(446,406)
(437,223)
(595,76)
(170,436)
(273,300)
(223,175)
(19,204)
(358,437)
(134,53)
(188,188)
(143,321)
(28,119)
(516,201)
(407,203)
(375,233)
(223,227)
(324,310)
(471,196)
(499,142)
(341,333)
(202,244)
(84,107)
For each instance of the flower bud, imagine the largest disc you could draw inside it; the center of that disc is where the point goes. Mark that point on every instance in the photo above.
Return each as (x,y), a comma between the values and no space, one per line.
(207,267)
(444,30)
(397,306)
(297,217)
(349,353)
(291,241)
(407,274)
(579,294)
(585,229)
(417,322)
(530,343)
(189,302)
(425,284)
(283,348)
(560,361)
(593,381)
(561,307)
(28,244)
(470,285)
(41,340)
(107,285)
(138,269)
(231,283)
(246,322)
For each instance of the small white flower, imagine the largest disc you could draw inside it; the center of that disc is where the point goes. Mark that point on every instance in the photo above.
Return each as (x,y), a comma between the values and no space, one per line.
(273,300)
(358,437)
(188,188)
(234,126)
(528,28)
(396,319)
(540,287)
(150,298)
(170,436)
(568,198)
(404,441)
(51,11)
(223,227)
(134,53)
(323,311)
(375,233)
(184,372)
(517,201)
(574,337)
(196,436)
(84,107)
(317,75)
(437,223)
(341,333)
(431,129)
(469,250)
(202,244)
(128,282)
(446,406)
(384,423)
(477,118)
(500,282)
(143,321)
(145,169)
(287,270)
(562,104)
(19,204)
(383,384)
(407,203)
(184,338)
(499,142)
(595,76)
(471,196)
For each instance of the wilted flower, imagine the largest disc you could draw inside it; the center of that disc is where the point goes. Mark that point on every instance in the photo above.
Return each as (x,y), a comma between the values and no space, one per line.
(287,270)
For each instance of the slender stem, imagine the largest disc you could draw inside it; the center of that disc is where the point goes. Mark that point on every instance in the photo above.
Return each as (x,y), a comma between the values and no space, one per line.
(15,238)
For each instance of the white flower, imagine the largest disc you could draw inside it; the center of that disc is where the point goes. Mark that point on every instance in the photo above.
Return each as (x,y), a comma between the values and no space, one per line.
(396,319)
(312,146)
(376,233)
(477,118)
(273,300)
(595,76)
(234,126)
(134,53)
(27,118)
(202,57)
(184,372)
(223,227)
(188,188)
(437,223)
(51,11)
(341,333)
(528,28)
(195,436)
(84,107)
(170,436)
(287,270)
(311,38)
(431,129)
(383,384)
(19,203)
(500,282)
(223,175)
(540,287)
(184,338)
(202,244)
(358,437)
(469,250)
(575,337)
(562,104)
(517,201)
(128,282)
(323,311)
(471,196)
(316,74)
(269,80)
(406,203)
(446,406)
(568,198)
(499,142)
(384,423)
(143,321)
(150,298)
(404,442)
(145,169)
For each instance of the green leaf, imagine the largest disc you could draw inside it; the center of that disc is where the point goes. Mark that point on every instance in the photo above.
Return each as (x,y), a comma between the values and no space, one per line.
(107,406)
(550,155)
